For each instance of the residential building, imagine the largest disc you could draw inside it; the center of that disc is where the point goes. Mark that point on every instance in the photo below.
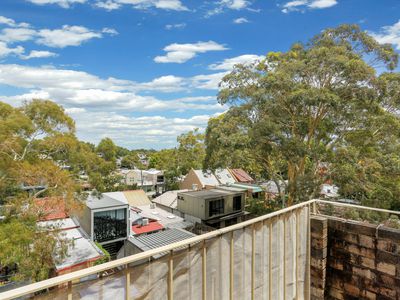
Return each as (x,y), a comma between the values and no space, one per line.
(274,189)
(241,176)
(215,207)
(198,180)
(329,191)
(169,201)
(106,221)
(151,181)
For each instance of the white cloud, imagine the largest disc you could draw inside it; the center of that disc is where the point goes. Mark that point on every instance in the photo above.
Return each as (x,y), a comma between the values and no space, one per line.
(389,35)
(12,35)
(62,3)
(175,5)
(208,82)
(57,38)
(235,4)
(11,22)
(5,50)
(180,53)
(228,64)
(240,21)
(175,26)
(110,31)
(66,36)
(222,5)
(39,54)
(301,5)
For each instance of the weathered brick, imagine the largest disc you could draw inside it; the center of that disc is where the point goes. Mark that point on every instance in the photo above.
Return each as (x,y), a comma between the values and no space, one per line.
(318,263)
(351,289)
(388,246)
(319,253)
(363,272)
(317,293)
(336,293)
(319,243)
(335,263)
(358,250)
(387,257)
(361,228)
(387,292)
(367,241)
(389,233)
(386,268)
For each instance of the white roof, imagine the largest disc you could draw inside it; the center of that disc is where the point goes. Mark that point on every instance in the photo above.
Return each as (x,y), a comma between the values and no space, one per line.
(80,251)
(224,176)
(67,223)
(165,218)
(169,198)
(207,178)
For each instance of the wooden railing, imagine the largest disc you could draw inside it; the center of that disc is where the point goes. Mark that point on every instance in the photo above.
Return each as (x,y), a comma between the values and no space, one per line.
(301,281)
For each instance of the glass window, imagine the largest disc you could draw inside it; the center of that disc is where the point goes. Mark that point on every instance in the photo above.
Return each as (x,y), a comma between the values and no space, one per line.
(237,203)
(109,225)
(216,207)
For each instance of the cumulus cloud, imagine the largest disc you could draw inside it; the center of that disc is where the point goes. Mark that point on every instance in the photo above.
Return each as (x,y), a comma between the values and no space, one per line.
(240,21)
(66,36)
(221,6)
(389,35)
(301,5)
(62,3)
(142,4)
(57,38)
(175,26)
(180,53)
(5,50)
(228,63)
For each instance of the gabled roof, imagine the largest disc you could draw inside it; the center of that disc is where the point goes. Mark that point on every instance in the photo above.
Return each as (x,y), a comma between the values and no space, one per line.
(134,198)
(50,208)
(207,178)
(169,199)
(241,175)
(224,176)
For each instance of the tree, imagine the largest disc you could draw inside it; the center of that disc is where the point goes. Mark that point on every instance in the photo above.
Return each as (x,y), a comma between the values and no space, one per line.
(191,151)
(31,137)
(107,149)
(228,144)
(307,103)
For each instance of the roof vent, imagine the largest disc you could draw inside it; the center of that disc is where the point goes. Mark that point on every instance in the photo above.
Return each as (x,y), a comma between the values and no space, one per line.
(145,221)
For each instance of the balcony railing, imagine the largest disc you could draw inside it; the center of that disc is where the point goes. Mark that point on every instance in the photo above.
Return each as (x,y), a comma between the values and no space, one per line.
(267,257)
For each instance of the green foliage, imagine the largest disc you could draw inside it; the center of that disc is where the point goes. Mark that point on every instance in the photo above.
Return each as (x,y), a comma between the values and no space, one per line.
(105,258)
(107,149)
(321,102)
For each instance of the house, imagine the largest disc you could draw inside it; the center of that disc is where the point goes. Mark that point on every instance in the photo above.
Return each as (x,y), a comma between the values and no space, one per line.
(106,221)
(50,208)
(224,176)
(241,176)
(133,198)
(169,201)
(199,179)
(151,181)
(145,242)
(214,207)
(274,189)
(82,252)
(329,191)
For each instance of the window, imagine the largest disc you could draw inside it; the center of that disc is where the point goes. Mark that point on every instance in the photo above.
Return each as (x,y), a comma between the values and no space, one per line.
(237,203)
(216,207)
(109,225)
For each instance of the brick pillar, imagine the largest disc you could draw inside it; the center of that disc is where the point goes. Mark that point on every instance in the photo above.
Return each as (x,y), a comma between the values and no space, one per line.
(319,244)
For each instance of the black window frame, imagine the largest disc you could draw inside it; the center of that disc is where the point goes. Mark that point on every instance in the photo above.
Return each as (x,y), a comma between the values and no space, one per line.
(216,207)
(235,203)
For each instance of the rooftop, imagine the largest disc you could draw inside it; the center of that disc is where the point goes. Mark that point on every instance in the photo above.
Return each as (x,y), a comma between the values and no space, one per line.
(103,202)
(51,208)
(212,193)
(169,199)
(151,227)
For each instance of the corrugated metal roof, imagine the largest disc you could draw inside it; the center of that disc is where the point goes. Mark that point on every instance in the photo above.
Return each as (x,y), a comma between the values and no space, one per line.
(136,198)
(152,226)
(169,199)
(224,176)
(241,175)
(254,188)
(160,238)
(206,178)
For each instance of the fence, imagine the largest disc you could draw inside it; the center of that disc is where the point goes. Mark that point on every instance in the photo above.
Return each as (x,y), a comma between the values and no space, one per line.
(263,258)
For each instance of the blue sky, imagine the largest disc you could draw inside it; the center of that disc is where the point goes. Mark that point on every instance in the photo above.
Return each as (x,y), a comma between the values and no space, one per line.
(144,71)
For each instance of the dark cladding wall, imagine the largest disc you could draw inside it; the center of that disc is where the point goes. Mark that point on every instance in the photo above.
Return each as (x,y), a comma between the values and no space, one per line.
(362,261)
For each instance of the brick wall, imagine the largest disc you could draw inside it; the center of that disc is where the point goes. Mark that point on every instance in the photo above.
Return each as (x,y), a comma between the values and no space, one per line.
(362,260)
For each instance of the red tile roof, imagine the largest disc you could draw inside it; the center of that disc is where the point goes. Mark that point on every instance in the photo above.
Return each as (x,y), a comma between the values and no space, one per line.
(50,208)
(241,175)
(152,226)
